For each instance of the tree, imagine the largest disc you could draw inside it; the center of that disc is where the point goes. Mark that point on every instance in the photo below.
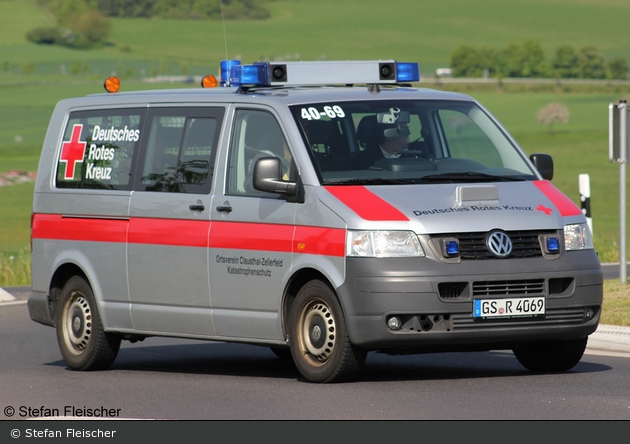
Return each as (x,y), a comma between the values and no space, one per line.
(553,113)
(618,68)
(525,60)
(465,62)
(566,62)
(592,64)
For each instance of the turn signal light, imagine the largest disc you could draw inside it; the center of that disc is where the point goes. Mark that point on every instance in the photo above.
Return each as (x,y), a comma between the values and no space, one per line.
(112,84)
(209,81)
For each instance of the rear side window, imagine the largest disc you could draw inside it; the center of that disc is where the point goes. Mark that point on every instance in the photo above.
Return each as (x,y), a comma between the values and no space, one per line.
(180,147)
(98,148)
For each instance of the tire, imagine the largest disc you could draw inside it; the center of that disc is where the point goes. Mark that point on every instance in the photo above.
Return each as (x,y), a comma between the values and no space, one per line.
(319,358)
(554,356)
(83,343)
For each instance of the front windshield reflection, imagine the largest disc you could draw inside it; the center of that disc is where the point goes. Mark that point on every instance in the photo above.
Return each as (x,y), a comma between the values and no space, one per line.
(389,142)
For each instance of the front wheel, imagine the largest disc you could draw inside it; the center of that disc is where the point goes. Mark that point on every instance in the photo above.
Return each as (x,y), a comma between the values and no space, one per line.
(318,336)
(553,356)
(83,343)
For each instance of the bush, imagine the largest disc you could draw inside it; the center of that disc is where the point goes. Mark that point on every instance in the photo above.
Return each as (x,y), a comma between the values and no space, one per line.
(44,36)
(93,25)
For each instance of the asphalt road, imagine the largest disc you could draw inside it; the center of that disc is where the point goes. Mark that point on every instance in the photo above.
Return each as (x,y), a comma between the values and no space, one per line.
(612,271)
(163,378)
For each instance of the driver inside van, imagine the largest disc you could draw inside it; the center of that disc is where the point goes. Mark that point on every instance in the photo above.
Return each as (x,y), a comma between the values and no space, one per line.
(390,140)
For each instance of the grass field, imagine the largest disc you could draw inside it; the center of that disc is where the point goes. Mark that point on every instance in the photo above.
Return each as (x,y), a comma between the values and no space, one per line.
(410,30)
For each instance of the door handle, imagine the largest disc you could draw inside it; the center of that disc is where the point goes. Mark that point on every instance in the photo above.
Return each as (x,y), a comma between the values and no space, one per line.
(196,207)
(224,209)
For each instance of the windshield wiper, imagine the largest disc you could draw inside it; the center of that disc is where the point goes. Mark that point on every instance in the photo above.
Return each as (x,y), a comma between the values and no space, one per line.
(375,181)
(470,176)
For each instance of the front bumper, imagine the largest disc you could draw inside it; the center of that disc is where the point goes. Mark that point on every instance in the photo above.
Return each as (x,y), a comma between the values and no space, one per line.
(435,301)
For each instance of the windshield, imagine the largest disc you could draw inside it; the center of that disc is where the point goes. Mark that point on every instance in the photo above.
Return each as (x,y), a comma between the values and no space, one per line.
(407,142)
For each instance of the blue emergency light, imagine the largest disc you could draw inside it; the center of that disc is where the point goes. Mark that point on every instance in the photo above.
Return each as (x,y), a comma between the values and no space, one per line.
(226,66)
(451,248)
(553,245)
(320,73)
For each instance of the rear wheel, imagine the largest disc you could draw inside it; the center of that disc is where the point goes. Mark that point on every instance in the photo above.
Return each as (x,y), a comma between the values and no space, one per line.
(83,343)
(553,356)
(318,336)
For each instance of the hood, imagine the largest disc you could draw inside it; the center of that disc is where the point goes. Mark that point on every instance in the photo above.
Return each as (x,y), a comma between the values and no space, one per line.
(447,208)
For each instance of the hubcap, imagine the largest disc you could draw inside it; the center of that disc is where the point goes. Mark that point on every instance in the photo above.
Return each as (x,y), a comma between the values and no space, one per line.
(77,323)
(318,332)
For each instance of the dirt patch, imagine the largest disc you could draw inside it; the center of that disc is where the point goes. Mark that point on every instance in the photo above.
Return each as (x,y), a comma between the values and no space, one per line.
(16,177)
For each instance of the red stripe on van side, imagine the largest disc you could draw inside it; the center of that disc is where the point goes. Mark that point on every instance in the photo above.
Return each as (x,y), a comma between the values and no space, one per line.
(180,232)
(365,203)
(251,236)
(55,226)
(325,241)
(190,233)
(565,206)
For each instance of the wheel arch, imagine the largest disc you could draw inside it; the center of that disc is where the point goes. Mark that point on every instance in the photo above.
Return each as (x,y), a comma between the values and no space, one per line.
(297,281)
(59,278)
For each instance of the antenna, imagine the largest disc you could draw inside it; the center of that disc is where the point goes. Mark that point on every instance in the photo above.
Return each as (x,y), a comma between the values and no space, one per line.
(224,34)
(227,81)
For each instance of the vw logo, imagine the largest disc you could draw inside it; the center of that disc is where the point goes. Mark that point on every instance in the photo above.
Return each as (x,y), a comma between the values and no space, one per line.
(499,244)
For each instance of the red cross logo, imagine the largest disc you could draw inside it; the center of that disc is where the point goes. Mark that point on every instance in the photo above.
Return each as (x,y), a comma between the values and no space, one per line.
(73,151)
(544,209)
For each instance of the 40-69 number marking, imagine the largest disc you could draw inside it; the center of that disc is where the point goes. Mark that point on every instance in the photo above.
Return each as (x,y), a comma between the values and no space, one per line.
(312,113)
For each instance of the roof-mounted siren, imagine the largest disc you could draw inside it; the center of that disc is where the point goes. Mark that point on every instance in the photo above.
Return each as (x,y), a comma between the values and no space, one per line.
(323,73)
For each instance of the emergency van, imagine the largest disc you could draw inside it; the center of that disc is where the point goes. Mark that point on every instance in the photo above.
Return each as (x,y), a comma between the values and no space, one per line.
(321,209)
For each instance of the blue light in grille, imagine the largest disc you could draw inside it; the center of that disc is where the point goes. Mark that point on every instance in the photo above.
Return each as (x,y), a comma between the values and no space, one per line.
(451,248)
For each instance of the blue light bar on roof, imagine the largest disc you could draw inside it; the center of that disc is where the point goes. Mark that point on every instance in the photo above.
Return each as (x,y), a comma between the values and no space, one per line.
(249,75)
(407,72)
(323,73)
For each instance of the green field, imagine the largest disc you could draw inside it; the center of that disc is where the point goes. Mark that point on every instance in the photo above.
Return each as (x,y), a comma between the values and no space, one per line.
(407,30)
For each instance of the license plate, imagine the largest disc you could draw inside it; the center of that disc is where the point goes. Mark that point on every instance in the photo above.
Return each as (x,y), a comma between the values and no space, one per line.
(508,308)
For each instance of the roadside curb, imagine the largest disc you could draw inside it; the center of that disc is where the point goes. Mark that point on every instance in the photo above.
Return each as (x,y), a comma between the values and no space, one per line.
(5,296)
(610,338)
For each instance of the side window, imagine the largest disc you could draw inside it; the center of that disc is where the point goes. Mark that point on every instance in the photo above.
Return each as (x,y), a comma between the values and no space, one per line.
(467,141)
(180,150)
(98,148)
(256,134)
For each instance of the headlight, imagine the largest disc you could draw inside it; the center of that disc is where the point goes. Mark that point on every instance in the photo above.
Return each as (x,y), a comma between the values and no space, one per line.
(577,237)
(383,244)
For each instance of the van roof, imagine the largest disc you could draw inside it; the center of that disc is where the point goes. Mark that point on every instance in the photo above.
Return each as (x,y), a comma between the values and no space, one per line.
(289,95)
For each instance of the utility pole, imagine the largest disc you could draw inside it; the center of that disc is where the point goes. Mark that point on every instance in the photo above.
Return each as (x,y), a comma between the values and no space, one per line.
(618,152)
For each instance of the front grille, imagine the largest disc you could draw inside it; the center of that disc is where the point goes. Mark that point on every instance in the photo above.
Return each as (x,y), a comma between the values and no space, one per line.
(472,246)
(506,288)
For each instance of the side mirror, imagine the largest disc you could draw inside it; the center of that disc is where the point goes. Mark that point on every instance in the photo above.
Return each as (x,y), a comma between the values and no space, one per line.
(544,164)
(268,177)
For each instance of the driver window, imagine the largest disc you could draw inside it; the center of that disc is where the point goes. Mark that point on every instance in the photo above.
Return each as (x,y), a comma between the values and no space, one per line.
(257,134)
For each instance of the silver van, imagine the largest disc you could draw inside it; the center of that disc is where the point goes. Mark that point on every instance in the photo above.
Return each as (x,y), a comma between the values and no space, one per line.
(322,209)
